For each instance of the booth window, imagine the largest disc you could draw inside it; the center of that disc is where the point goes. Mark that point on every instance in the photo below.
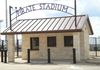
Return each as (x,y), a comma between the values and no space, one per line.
(68,41)
(51,41)
(34,43)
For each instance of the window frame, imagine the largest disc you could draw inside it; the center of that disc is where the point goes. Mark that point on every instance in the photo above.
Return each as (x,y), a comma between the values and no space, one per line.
(36,45)
(49,44)
(69,40)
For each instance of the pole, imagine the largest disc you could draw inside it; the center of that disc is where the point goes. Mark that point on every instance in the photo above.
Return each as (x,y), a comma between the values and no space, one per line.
(1,55)
(2,45)
(28,55)
(17,43)
(95,46)
(75,14)
(74,50)
(0,26)
(2,49)
(17,48)
(0,29)
(10,17)
(74,56)
(5,54)
(6,13)
(49,60)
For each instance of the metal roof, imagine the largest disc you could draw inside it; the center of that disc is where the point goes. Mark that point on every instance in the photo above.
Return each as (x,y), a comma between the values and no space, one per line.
(46,24)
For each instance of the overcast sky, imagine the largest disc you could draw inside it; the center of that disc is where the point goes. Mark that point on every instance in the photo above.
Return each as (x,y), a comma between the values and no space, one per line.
(89,7)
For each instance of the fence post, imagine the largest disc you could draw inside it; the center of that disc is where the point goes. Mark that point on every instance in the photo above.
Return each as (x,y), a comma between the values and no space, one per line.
(74,56)
(96,49)
(28,55)
(49,59)
(5,54)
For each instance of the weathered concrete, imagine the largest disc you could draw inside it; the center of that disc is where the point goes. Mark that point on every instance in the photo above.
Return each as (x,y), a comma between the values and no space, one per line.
(21,65)
(11,48)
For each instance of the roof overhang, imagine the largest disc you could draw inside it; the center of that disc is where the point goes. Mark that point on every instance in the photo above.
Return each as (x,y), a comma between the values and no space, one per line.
(48,25)
(91,30)
(36,32)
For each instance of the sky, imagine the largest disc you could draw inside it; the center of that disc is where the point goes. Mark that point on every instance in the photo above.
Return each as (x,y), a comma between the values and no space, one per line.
(88,7)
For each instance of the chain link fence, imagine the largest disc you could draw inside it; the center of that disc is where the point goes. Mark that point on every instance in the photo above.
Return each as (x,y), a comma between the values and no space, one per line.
(94,43)
(4,44)
(94,46)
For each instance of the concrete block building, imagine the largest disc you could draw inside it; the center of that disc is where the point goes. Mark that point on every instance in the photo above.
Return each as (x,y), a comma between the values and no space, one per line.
(57,33)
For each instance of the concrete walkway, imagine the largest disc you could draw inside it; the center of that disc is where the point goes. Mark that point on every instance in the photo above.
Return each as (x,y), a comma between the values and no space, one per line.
(22,65)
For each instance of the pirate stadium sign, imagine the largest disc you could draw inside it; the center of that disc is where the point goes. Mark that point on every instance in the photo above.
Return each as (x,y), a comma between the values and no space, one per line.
(43,6)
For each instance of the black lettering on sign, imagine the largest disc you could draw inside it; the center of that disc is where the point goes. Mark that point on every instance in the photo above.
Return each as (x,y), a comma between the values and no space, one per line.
(48,7)
(42,6)
(28,9)
(21,11)
(33,7)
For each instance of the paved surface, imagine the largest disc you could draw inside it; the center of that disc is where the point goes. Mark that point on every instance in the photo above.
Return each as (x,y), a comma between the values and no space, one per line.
(37,65)
(22,65)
